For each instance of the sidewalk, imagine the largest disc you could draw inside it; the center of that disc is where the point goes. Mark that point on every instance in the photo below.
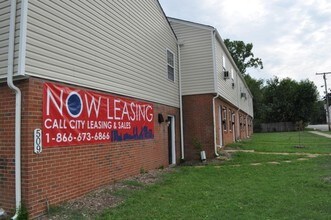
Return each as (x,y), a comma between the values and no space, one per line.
(321,134)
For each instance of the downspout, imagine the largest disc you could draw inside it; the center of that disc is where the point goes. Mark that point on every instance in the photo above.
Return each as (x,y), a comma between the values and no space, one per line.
(215,131)
(215,89)
(10,73)
(180,102)
(238,126)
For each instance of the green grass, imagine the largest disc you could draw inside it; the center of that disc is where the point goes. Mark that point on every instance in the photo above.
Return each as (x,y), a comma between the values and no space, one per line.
(133,183)
(285,142)
(296,190)
(286,191)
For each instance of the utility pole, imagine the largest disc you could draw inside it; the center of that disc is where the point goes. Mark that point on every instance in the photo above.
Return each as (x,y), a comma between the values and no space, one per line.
(326,98)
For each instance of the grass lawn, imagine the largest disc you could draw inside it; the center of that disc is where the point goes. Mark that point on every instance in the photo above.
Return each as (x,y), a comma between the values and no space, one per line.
(300,189)
(285,142)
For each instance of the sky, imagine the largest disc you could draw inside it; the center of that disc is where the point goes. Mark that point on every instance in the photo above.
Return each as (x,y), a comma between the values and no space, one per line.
(292,37)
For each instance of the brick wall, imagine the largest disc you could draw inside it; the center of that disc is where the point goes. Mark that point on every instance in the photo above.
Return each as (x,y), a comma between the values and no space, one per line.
(229,118)
(198,124)
(62,173)
(7,147)
(243,125)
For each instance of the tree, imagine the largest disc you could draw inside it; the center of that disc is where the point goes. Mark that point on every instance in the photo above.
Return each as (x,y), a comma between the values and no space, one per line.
(256,88)
(242,55)
(289,101)
(319,114)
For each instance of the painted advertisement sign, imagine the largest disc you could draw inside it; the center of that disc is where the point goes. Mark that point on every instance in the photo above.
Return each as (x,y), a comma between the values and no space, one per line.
(74,117)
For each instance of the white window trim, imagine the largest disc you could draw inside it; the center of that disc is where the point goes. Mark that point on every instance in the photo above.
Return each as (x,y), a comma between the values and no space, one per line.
(170,65)
(223,62)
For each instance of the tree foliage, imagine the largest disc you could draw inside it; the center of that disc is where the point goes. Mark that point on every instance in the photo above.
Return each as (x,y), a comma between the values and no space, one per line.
(289,101)
(284,100)
(242,55)
(276,100)
(319,114)
(257,89)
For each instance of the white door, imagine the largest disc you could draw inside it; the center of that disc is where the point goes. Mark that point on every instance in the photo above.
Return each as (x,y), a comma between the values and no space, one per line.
(220,125)
(171,140)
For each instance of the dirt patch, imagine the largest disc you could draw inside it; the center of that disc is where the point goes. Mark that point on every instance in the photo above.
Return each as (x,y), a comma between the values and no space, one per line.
(302,159)
(94,203)
(273,162)
(256,164)
(327,179)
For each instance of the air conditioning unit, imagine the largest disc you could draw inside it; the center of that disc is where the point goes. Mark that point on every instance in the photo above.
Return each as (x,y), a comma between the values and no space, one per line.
(243,95)
(226,74)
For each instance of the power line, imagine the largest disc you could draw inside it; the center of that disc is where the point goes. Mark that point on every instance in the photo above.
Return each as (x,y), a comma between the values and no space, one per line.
(326,98)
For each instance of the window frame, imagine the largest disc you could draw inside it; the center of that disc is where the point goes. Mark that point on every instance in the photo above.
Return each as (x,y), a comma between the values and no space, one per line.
(223,63)
(171,66)
(230,119)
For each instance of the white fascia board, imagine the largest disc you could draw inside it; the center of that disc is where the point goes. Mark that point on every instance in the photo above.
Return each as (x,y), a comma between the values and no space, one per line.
(22,39)
(213,40)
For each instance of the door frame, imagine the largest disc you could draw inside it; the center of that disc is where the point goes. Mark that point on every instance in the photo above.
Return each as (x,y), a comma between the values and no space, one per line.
(233,121)
(171,121)
(220,111)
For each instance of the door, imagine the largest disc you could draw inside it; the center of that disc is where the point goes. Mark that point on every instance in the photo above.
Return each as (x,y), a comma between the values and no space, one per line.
(220,125)
(233,127)
(171,140)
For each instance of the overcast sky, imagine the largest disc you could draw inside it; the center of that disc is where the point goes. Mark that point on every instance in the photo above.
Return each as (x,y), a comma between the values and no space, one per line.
(292,37)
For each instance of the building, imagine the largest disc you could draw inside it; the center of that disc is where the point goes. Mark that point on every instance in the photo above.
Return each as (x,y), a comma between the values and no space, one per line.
(217,104)
(92,92)
(83,69)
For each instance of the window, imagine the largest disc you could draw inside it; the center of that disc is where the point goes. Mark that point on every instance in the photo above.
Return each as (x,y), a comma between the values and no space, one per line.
(224,65)
(233,118)
(241,122)
(171,65)
(230,120)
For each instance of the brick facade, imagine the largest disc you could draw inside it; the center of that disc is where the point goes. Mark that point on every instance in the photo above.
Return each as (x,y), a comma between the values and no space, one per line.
(62,173)
(226,114)
(198,125)
(231,124)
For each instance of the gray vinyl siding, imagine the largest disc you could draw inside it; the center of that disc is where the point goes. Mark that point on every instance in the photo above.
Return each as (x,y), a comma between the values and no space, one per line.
(246,105)
(4,37)
(224,86)
(201,45)
(196,58)
(114,46)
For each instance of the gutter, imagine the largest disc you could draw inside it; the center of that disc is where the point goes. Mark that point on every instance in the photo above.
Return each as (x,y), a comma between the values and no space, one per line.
(179,44)
(214,117)
(18,96)
(213,33)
